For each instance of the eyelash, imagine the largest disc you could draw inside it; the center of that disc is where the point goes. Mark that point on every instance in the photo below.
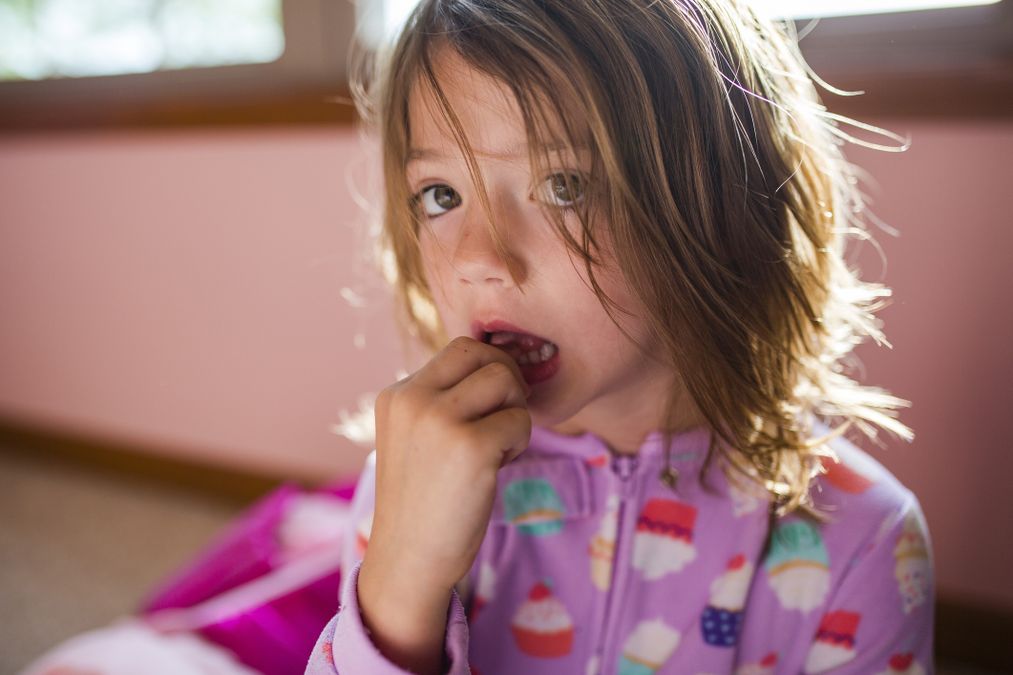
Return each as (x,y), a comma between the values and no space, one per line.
(415,200)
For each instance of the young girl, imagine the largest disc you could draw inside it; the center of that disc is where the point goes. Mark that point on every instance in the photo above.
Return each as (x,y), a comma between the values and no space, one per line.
(630,216)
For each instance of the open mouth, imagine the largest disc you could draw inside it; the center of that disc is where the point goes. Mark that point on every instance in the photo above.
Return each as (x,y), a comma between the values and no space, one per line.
(537,357)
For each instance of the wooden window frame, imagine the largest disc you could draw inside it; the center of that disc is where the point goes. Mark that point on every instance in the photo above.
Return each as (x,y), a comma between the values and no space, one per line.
(295,88)
(942,63)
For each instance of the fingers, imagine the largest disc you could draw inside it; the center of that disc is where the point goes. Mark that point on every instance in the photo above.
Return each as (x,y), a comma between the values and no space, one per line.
(460,358)
(508,430)
(490,388)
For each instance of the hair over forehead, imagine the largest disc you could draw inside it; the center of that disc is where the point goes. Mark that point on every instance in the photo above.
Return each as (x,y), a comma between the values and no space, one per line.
(552,114)
(550,103)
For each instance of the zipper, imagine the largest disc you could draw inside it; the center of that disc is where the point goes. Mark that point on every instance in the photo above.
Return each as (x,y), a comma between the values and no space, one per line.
(623,466)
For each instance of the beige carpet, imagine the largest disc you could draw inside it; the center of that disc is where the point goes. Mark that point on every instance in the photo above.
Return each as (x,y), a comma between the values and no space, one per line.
(79,548)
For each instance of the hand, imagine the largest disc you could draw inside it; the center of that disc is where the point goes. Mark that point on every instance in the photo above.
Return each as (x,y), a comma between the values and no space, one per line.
(442,434)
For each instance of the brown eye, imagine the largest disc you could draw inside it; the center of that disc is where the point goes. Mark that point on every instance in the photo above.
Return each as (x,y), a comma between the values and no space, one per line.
(438,199)
(563,189)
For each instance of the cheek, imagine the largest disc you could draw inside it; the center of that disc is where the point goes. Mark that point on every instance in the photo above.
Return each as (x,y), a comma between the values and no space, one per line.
(433,259)
(436,271)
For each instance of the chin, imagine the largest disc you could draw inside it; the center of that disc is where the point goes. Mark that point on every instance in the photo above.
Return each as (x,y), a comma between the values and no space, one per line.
(548,410)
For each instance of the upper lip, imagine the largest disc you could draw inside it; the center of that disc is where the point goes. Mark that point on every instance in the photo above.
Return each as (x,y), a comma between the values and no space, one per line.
(480,328)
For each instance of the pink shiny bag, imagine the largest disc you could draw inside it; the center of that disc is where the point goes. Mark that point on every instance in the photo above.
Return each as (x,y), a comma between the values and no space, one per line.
(267,586)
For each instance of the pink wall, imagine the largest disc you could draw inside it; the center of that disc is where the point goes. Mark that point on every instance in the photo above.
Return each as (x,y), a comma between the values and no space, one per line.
(951,327)
(182,291)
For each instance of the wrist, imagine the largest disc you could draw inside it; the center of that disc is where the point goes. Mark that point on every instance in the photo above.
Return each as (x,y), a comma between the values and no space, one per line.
(399,593)
(405,622)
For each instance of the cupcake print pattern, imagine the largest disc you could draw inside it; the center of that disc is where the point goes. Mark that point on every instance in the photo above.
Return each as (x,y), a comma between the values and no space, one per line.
(541,626)
(835,642)
(798,567)
(485,589)
(602,547)
(533,505)
(903,664)
(363,528)
(700,585)
(912,565)
(843,477)
(663,542)
(722,618)
(648,647)
(765,666)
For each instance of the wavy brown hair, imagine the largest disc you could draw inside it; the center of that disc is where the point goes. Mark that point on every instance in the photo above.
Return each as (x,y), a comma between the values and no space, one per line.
(719,190)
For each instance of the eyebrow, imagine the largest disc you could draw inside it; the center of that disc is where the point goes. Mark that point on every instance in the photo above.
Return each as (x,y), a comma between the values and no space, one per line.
(415,154)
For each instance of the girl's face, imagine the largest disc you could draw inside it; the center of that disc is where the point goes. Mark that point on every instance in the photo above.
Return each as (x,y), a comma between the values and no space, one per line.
(596,379)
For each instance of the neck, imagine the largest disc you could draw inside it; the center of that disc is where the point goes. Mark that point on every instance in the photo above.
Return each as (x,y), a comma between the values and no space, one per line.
(625,431)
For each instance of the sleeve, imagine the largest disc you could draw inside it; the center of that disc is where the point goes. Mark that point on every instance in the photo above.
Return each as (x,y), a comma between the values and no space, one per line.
(344,645)
(880,617)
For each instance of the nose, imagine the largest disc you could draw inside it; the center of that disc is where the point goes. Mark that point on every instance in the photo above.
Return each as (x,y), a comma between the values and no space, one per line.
(476,259)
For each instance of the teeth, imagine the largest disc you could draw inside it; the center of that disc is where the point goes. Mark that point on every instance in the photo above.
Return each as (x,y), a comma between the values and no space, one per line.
(515,343)
(546,352)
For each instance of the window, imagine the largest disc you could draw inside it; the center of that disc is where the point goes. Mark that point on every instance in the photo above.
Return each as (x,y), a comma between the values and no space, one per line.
(284,61)
(41,39)
(114,63)
(942,62)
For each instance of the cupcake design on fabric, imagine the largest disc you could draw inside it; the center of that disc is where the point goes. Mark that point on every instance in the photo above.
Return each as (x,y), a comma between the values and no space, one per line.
(903,664)
(602,546)
(765,666)
(663,542)
(835,642)
(797,565)
(533,505)
(722,618)
(913,567)
(843,477)
(485,589)
(362,531)
(542,627)
(648,647)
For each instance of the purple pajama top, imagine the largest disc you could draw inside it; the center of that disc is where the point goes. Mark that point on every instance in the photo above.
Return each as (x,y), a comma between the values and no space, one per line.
(592,565)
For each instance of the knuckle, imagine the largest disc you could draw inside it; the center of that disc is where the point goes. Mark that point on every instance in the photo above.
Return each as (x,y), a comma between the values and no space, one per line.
(461,342)
(401,398)
(498,370)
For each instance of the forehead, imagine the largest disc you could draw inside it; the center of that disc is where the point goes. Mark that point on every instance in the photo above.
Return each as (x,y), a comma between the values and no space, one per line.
(487,110)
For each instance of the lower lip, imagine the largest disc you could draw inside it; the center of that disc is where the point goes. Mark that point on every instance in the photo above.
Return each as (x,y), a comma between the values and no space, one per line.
(535,373)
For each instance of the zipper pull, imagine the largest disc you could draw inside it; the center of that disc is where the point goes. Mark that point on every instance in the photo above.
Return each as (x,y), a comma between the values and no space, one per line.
(624,466)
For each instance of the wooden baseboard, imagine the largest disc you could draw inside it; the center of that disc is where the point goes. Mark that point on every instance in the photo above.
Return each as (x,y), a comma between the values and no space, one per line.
(972,634)
(136,464)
